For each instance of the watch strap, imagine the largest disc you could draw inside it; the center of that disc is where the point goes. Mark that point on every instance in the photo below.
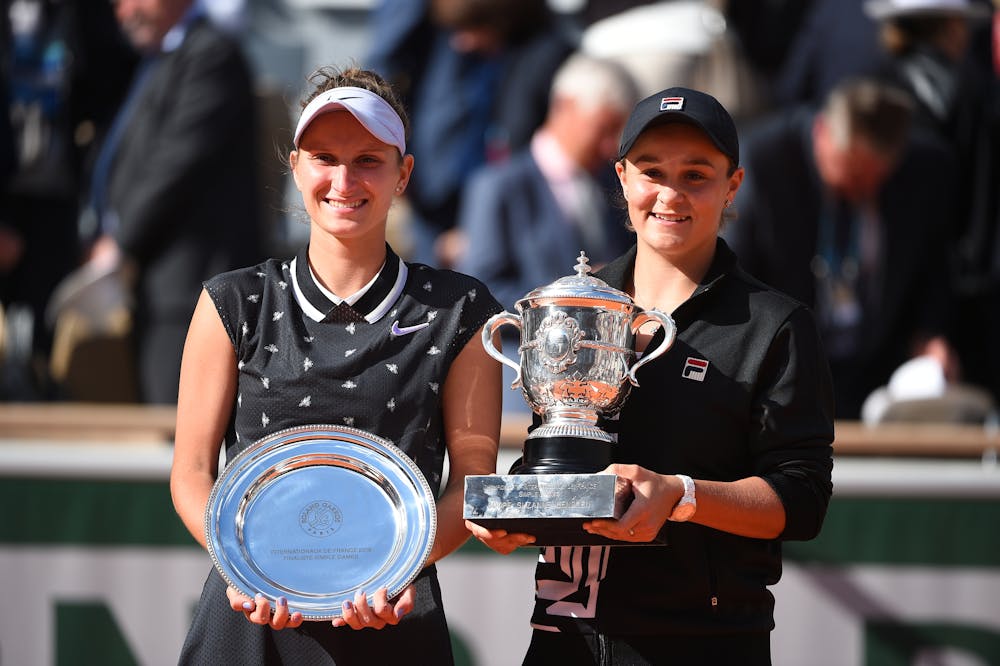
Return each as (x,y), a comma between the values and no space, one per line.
(684,509)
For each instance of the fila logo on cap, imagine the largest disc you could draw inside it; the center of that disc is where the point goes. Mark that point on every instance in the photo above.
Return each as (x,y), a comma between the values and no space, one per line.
(672,104)
(695,368)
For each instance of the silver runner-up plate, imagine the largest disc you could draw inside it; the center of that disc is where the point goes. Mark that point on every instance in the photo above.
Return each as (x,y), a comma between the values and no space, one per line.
(318,513)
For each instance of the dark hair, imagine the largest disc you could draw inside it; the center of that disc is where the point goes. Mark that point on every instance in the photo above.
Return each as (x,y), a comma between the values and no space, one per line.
(878,113)
(513,20)
(904,34)
(329,77)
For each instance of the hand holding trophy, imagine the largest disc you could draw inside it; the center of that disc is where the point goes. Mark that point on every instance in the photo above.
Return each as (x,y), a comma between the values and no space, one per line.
(577,364)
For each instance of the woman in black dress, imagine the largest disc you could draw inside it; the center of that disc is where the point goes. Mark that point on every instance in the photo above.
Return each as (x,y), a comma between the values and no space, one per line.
(343,333)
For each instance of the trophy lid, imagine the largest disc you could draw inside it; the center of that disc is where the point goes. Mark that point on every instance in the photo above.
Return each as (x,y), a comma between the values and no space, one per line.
(582,285)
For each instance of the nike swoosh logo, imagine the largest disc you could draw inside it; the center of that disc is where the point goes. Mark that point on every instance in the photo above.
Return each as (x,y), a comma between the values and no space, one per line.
(398,330)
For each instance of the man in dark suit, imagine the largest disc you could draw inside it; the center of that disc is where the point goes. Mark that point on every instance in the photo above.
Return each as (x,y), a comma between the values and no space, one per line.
(174,186)
(475,75)
(847,210)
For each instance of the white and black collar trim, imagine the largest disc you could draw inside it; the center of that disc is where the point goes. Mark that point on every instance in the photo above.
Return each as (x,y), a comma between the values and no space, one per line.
(371,303)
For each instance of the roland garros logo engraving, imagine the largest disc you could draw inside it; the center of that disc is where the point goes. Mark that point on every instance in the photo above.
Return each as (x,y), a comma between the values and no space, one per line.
(320,519)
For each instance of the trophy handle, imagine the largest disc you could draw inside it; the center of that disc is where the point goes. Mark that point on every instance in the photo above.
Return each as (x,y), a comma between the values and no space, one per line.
(669,333)
(491,325)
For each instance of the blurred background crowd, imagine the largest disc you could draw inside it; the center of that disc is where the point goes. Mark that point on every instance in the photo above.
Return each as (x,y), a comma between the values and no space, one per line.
(144,143)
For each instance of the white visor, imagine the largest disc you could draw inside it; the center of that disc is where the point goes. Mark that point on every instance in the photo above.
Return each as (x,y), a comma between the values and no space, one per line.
(371,111)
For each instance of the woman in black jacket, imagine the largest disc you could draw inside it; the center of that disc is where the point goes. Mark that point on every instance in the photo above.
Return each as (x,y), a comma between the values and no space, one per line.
(726,443)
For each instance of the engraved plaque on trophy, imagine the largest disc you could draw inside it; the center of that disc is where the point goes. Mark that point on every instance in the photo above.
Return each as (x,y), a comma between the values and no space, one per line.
(577,365)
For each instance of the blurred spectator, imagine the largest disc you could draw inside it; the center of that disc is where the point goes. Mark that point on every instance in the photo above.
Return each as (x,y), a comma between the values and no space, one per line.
(173,191)
(843,209)
(475,76)
(836,41)
(929,46)
(64,70)
(927,43)
(526,220)
(680,43)
(766,30)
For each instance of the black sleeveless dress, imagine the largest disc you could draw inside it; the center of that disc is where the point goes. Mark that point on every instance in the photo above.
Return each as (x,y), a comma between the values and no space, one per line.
(379,365)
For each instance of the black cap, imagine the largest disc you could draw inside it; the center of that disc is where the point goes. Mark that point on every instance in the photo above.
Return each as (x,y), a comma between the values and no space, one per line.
(684,105)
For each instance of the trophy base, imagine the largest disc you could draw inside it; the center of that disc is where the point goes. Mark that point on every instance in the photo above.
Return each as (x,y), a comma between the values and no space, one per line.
(551,507)
(563,455)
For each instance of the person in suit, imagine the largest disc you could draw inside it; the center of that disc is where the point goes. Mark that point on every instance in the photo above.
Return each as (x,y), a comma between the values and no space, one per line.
(836,40)
(932,53)
(170,193)
(475,75)
(845,209)
(562,180)
(64,68)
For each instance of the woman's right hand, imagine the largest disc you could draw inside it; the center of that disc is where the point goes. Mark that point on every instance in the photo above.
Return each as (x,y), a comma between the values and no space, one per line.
(499,540)
(380,613)
(258,610)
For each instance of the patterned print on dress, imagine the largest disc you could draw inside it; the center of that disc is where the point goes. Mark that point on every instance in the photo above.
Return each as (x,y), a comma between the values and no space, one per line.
(350,328)
(264,420)
(349,385)
(349,420)
(433,351)
(428,286)
(306,364)
(282,284)
(433,386)
(472,295)
(266,382)
(277,315)
(306,401)
(348,352)
(246,329)
(392,367)
(431,315)
(308,338)
(254,298)
(391,404)
(271,348)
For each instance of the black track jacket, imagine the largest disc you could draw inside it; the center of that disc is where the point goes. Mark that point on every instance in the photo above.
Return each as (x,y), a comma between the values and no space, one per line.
(745,390)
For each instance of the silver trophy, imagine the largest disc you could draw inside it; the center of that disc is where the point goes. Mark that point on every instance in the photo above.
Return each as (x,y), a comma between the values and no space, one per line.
(578,363)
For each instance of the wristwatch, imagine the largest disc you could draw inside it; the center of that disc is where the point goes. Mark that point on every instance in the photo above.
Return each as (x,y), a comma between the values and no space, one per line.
(687,505)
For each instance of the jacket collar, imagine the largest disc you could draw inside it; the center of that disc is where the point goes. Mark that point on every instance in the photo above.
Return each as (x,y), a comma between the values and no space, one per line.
(618,273)
(375,301)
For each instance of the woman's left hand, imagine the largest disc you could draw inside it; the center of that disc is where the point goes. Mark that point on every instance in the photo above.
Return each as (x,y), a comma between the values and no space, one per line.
(359,614)
(653,498)
(258,610)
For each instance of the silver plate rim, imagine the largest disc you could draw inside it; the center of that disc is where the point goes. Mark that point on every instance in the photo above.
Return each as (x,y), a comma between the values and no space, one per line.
(332,432)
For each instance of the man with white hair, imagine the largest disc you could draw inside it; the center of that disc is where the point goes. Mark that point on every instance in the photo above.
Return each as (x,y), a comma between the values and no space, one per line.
(526,220)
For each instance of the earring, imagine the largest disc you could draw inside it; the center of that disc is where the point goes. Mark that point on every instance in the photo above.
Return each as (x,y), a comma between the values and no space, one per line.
(729,202)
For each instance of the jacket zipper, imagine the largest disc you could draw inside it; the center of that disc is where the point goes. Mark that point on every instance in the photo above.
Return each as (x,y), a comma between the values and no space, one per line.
(713,580)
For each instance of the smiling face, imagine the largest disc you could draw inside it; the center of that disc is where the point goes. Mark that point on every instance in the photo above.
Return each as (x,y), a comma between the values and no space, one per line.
(676,183)
(347,177)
